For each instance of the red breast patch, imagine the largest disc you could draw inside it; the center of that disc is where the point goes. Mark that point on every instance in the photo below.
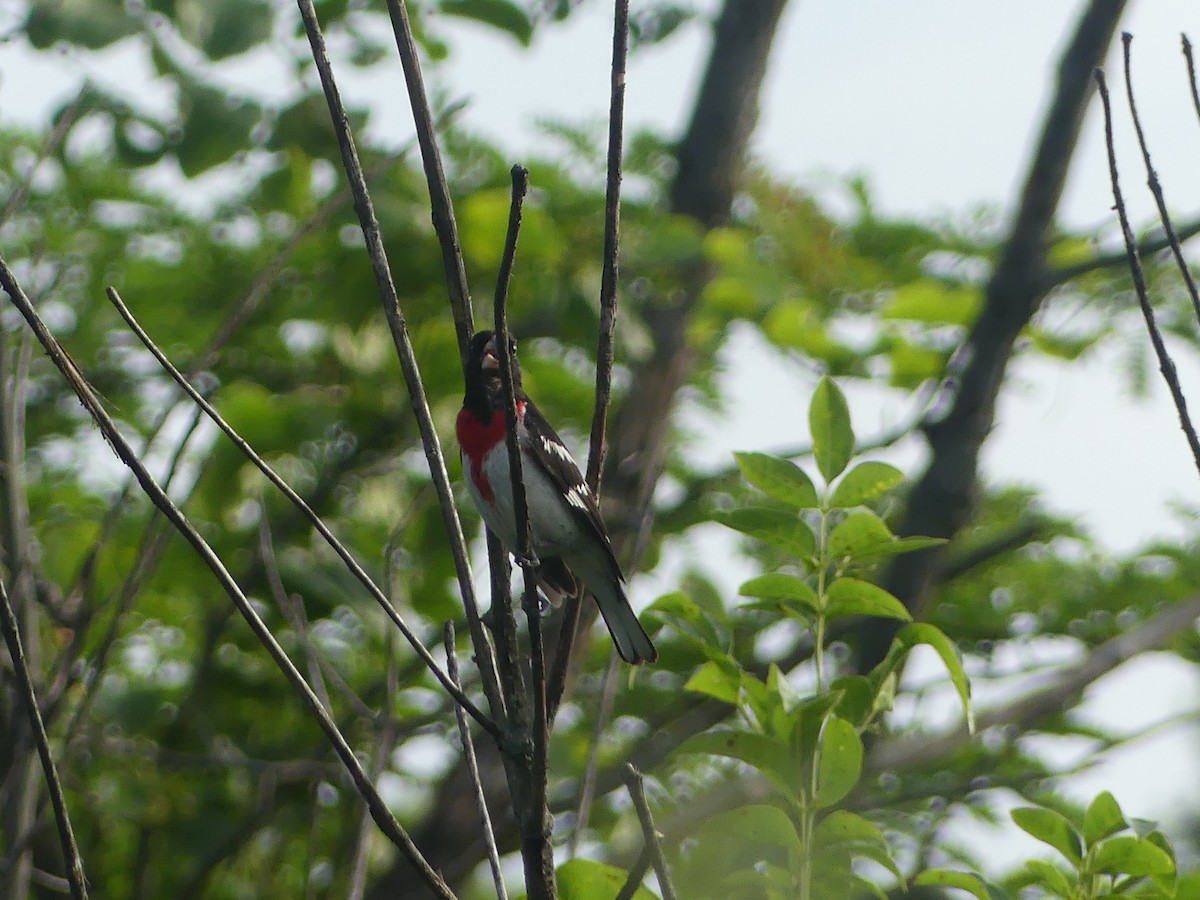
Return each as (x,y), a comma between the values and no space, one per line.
(478,438)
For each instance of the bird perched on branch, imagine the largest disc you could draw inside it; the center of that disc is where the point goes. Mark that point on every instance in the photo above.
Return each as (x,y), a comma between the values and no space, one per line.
(568,536)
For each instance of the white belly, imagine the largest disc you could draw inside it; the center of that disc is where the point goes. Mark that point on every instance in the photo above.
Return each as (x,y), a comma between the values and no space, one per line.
(555,527)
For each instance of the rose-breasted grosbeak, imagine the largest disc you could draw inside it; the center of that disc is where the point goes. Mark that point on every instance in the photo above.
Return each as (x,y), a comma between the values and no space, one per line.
(568,535)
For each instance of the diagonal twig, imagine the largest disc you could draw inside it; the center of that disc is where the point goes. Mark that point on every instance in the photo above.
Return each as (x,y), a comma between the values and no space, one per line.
(439,192)
(66,837)
(1191,69)
(317,522)
(108,428)
(1165,363)
(637,790)
(484,656)
(1152,181)
(468,745)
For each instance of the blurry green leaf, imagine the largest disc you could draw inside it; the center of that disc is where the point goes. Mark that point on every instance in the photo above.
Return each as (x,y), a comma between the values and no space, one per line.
(1125,855)
(829,420)
(840,762)
(685,616)
(780,478)
(858,535)
(766,754)
(851,597)
(778,586)
(500,14)
(586,879)
(214,129)
(779,528)
(1052,829)
(933,302)
(960,880)
(89,23)
(912,365)
(865,482)
(1102,819)
(924,633)
(1052,878)
(843,830)
(719,681)
(223,28)
(1061,346)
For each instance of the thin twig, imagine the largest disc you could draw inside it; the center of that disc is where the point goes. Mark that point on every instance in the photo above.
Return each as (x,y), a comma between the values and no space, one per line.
(484,656)
(66,837)
(535,844)
(108,428)
(1165,364)
(598,447)
(317,522)
(1152,181)
(51,146)
(440,205)
(1148,246)
(468,745)
(591,769)
(1191,69)
(637,872)
(637,790)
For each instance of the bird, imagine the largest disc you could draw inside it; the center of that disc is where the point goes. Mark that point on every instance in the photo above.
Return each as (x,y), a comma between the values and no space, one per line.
(569,540)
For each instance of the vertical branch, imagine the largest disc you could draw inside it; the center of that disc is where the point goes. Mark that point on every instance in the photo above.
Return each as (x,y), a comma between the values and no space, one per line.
(408,362)
(1153,183)
(66,837)
(468,745)
(439,192)
(1165,364)
(1191,69)
(598,447)
(535,838)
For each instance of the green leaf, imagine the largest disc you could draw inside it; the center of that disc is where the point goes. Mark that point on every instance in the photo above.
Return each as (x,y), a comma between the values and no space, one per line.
(780,478)
(865,482)
(846,830)
(829,420)
(1131,856)
(1051,828)
(781,529)
(685,616)
(586,879)
(840,762)
(716,680)
(501,14)
(1051,878)
(1102,819)
(858,535)
(787,588)
(933,302)
(972,884)
(851,597)
(769,756)
(924,633)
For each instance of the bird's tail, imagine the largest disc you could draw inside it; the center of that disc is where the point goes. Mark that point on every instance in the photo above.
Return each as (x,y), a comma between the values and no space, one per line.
(633,644)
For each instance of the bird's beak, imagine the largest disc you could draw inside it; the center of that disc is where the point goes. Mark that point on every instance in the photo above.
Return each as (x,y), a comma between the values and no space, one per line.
(491,360)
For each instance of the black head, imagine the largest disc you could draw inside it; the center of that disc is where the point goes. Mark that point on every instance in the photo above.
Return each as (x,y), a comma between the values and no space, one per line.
(484,392)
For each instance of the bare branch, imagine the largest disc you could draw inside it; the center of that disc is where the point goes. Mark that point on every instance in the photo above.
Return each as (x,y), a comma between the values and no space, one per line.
(536,851)
(441,207)
(637,790)
(1148,246)
(1191,70)
(1165,363)
(51,146)
(66,837)
(468,745)
(1155,187)
(379,810)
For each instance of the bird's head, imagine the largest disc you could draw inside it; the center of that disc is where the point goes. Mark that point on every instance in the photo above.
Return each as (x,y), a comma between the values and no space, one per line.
(484,388)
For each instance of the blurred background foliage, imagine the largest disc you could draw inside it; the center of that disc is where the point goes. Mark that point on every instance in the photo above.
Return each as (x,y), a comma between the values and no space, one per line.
(192,769)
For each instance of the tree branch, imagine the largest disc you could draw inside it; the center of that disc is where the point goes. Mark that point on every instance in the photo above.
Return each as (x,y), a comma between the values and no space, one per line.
(637,791)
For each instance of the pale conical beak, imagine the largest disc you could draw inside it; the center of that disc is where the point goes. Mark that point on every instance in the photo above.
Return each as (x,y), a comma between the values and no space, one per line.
(490,358)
